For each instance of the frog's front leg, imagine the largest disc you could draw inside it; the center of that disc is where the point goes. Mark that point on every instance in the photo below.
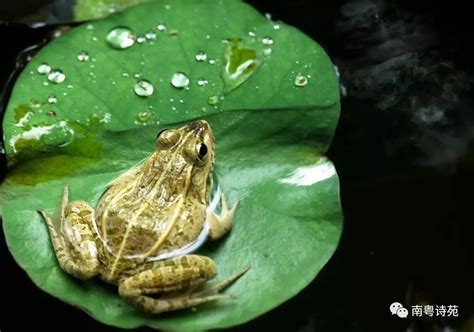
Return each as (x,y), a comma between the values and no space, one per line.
(75,242)
(176,279)
(220,224)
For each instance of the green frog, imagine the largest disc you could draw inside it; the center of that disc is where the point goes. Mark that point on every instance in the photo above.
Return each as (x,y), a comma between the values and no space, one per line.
(146,225)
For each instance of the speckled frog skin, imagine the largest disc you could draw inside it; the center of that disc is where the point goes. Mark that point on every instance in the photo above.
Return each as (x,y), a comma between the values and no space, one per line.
(146,225)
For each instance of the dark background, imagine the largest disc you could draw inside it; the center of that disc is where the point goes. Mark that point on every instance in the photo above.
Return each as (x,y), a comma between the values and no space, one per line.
(404,152)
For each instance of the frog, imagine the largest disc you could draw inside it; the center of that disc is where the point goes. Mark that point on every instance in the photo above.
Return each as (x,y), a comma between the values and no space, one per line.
(147,224)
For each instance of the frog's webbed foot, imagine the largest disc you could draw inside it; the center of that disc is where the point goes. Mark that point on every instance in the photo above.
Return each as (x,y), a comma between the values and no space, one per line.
(219,225)
(74,242)
(176,279)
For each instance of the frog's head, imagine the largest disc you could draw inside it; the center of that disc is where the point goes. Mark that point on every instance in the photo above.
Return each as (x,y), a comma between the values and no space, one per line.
(194,141)
(190,152)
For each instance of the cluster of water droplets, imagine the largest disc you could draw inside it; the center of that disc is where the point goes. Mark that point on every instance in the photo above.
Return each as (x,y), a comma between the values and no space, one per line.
(123,37)
(52,75)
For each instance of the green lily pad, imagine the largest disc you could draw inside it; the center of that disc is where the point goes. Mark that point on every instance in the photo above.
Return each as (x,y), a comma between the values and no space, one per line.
(83,124)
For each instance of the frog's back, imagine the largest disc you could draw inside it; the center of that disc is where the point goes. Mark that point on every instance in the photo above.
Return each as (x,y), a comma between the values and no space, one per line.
(134,232)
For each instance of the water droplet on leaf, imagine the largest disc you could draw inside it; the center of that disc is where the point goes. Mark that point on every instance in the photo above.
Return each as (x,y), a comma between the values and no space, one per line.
(144,88)
(267,51)
(144,116)
(141,39)
(161,27)
(83,56)
(52,99)
(179,80)
(213,100)
(301,80)
(202,82)
(56,76)
(267,41)
(43,69)
(150,35)
(201,56)
(120,38)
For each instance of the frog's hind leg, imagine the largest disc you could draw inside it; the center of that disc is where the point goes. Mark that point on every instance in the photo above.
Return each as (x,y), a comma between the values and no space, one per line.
(75,241)
(176,279)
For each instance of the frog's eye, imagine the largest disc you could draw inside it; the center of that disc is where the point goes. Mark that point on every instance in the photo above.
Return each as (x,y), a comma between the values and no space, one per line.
(201,150)
(168,137)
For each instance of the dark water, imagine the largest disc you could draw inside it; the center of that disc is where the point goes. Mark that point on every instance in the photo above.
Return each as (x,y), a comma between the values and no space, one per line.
(404,151)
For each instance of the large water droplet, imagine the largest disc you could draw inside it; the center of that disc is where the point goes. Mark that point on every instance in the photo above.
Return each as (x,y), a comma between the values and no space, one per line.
(83,56)
(56,76)
(202,82)
(120,38)
(267,41)
(179,80)
(144,88)
(52,99)
(301,80)
(43,69)
(201,56)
